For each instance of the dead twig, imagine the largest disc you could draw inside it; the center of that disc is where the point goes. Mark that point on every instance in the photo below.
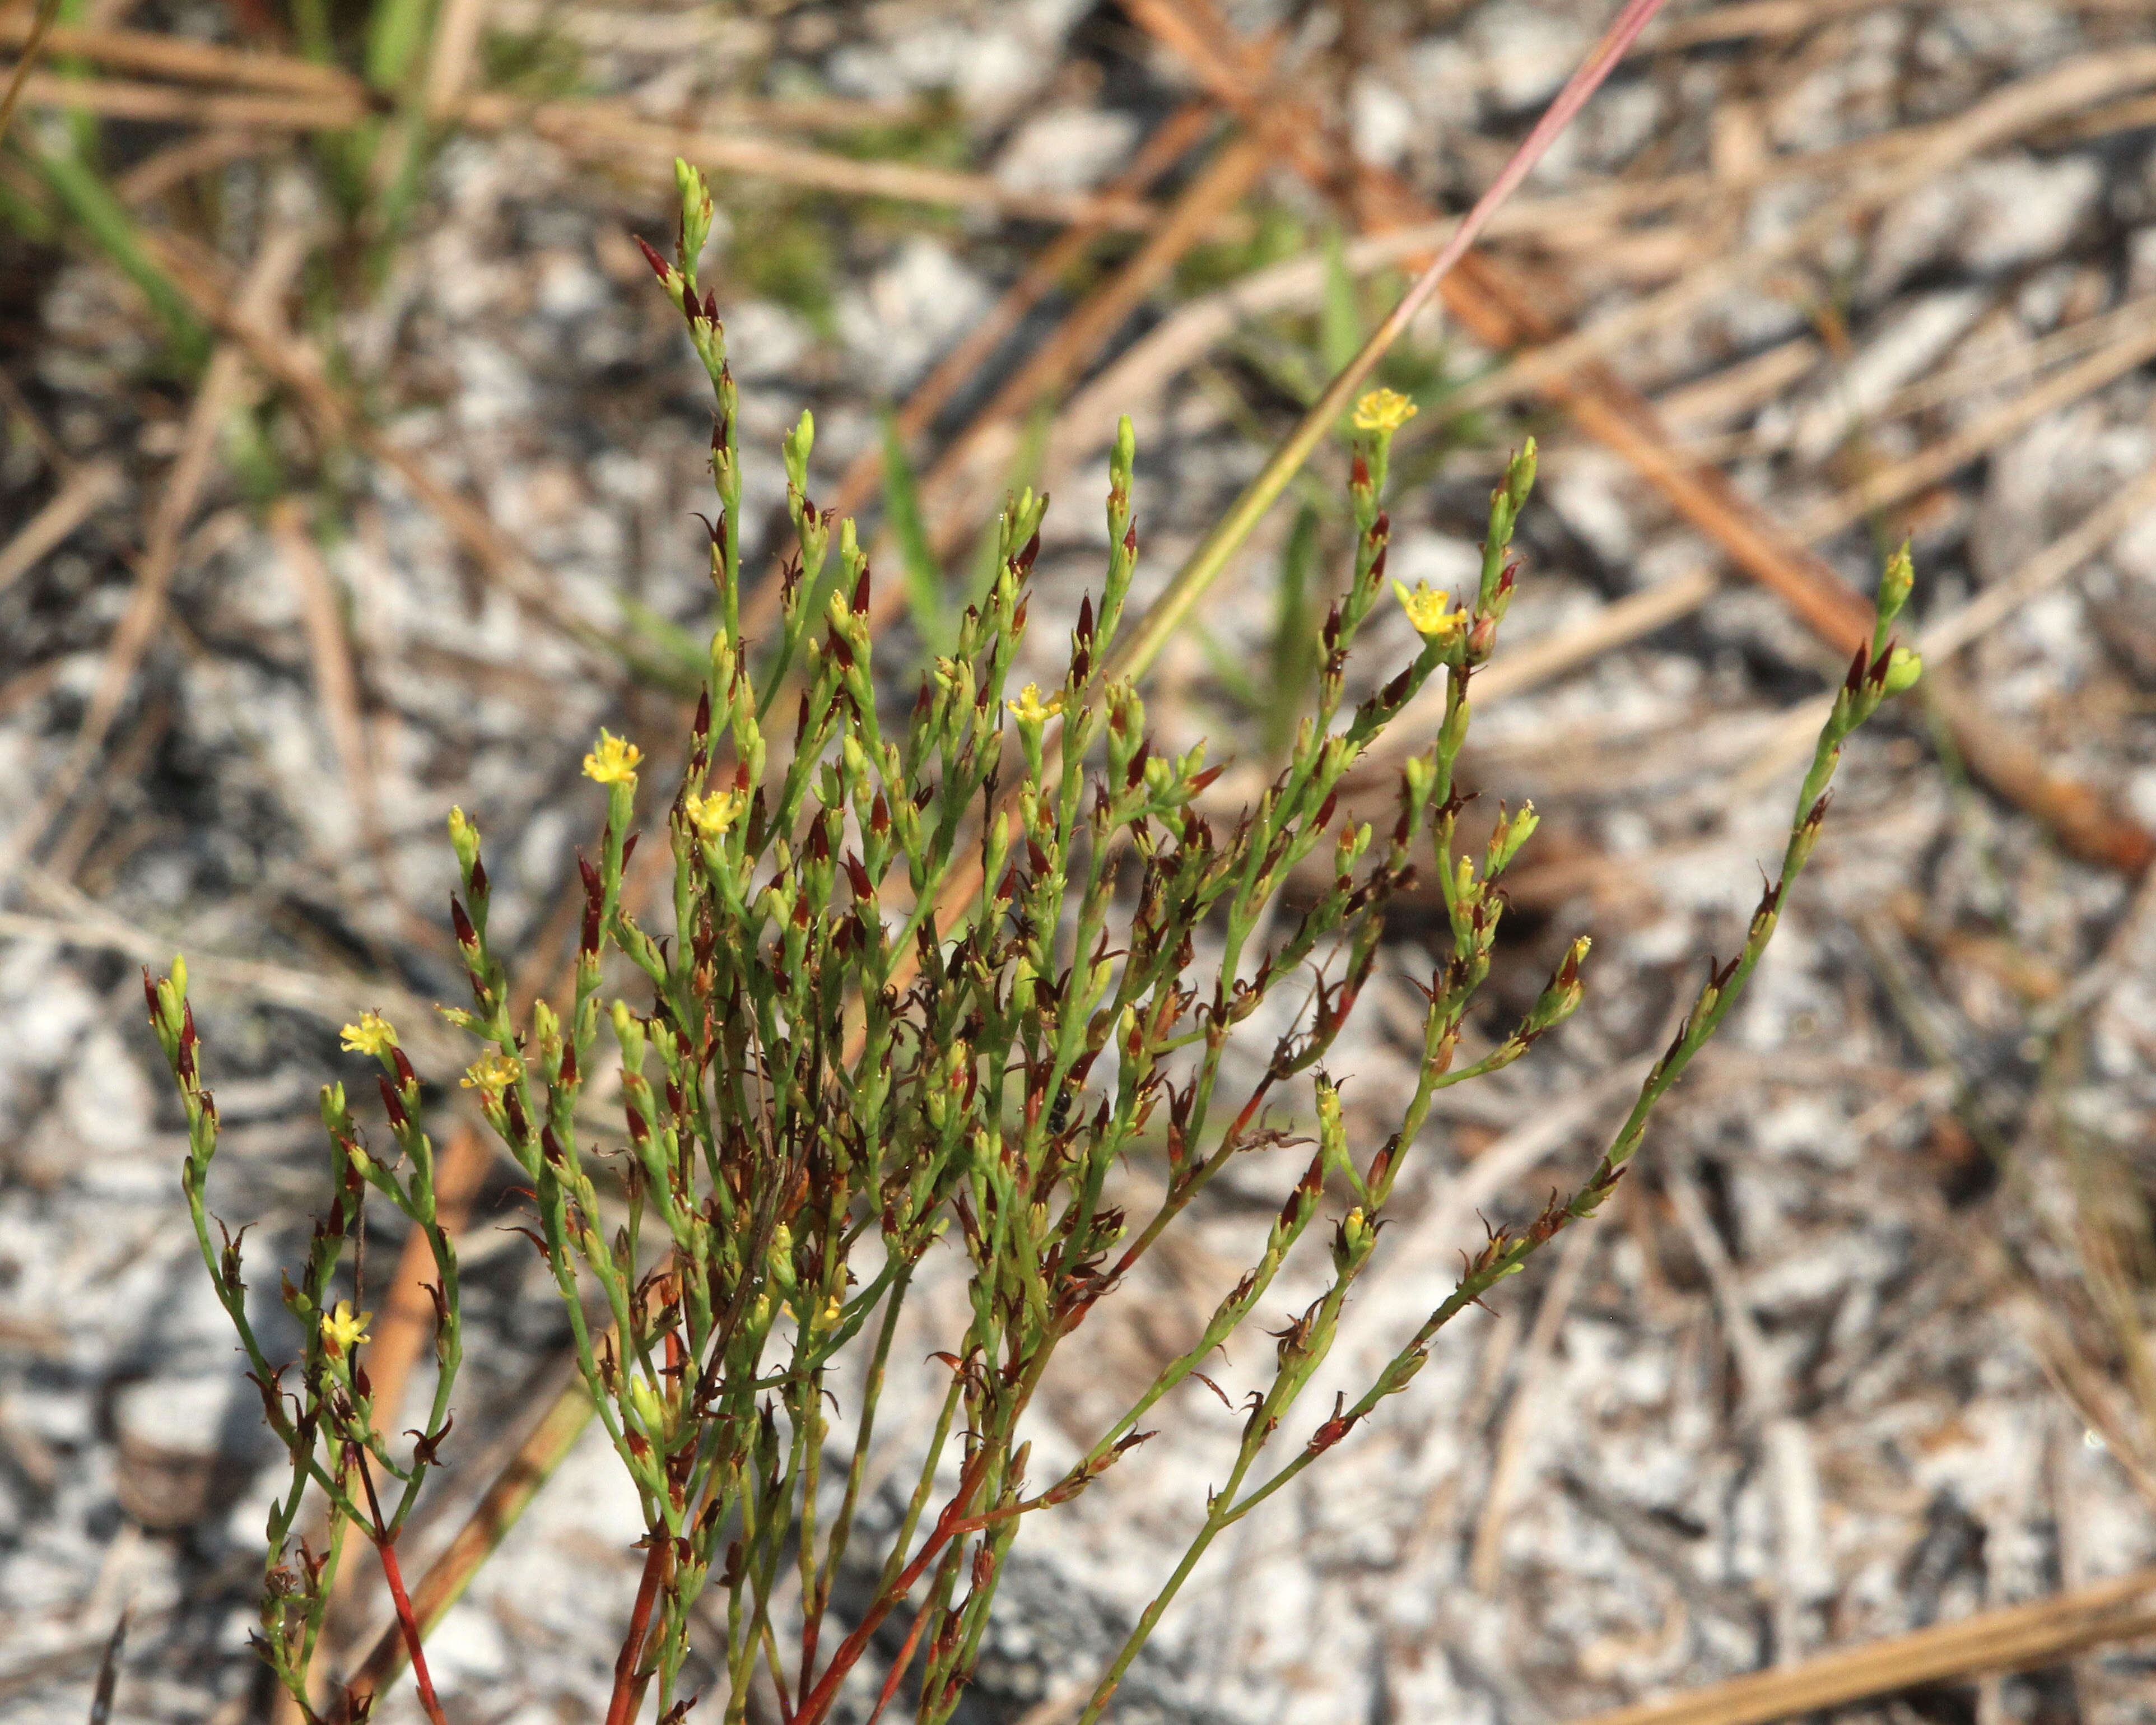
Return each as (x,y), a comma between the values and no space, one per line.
(587,130)
(336,680)
(273,268)
(1170,142)
(951,485)
(182,58)
(1903,478)
(1501,313)
(34,39)
(2018,1638)
(2007,113)
(85,491)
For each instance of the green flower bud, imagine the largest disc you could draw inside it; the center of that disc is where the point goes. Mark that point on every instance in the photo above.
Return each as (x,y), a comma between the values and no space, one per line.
(463,839)
(1896,582)
(629,1033)
(1903,668)
(799,442)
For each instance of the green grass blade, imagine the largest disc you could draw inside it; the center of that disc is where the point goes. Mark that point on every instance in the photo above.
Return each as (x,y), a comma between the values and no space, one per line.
(104,219)
(1342,328)
(1294,637)
(925,596)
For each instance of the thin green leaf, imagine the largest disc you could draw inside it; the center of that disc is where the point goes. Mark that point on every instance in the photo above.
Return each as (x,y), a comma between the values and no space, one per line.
(925,598)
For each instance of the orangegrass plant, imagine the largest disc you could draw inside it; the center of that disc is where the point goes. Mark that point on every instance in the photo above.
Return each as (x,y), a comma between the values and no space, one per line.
(925,977)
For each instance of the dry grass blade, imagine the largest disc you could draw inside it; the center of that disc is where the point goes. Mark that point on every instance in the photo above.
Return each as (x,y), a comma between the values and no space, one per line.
(1168,144)
(2019,1638)
(2051,565)
(1501,313)
(197,153)
(86,491)
(194,62)
(590,130)
(594,130)
(2017,109)
(34,39)
(108,1673)
(273,268)
(329,1000)
(954,483)
(270,110)
(455,53)
(1904,479)
(336,679)
(1487,1552)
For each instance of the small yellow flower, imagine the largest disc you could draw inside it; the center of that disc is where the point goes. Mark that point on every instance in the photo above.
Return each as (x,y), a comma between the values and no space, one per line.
(341,1331)
(1028,709)
(612,761)
(371,1035)
(491,1073)
(711,815)
(1427,612)
(1383,411)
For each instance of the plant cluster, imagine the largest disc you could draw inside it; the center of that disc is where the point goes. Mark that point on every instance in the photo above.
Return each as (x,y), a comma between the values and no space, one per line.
(926,978)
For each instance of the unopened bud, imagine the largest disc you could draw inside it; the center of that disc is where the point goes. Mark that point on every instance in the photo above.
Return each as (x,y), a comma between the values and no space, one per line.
(1903,669)
(1896,582)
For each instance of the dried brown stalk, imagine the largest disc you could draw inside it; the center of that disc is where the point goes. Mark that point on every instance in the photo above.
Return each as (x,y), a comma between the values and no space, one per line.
(182,57)
(950,487)
(1501,311)
(591,130)
(1170,142)
(83,492)
(273,268)
(37,34)
(2019,1638)
(117,99)
(336,677)
(1889,486)
(293,366)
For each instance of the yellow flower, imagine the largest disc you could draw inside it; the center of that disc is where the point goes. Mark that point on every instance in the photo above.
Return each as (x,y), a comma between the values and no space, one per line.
(341,1331)
(711,815)
(1383,411)
(371,1035)
(613,762)
(1028,709)
(491,1073)
(1427,612)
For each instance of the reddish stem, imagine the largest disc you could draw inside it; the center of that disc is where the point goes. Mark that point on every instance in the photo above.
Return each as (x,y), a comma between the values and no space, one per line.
(899,1665)
(948,1525)
(394,1576)
(625,1687)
